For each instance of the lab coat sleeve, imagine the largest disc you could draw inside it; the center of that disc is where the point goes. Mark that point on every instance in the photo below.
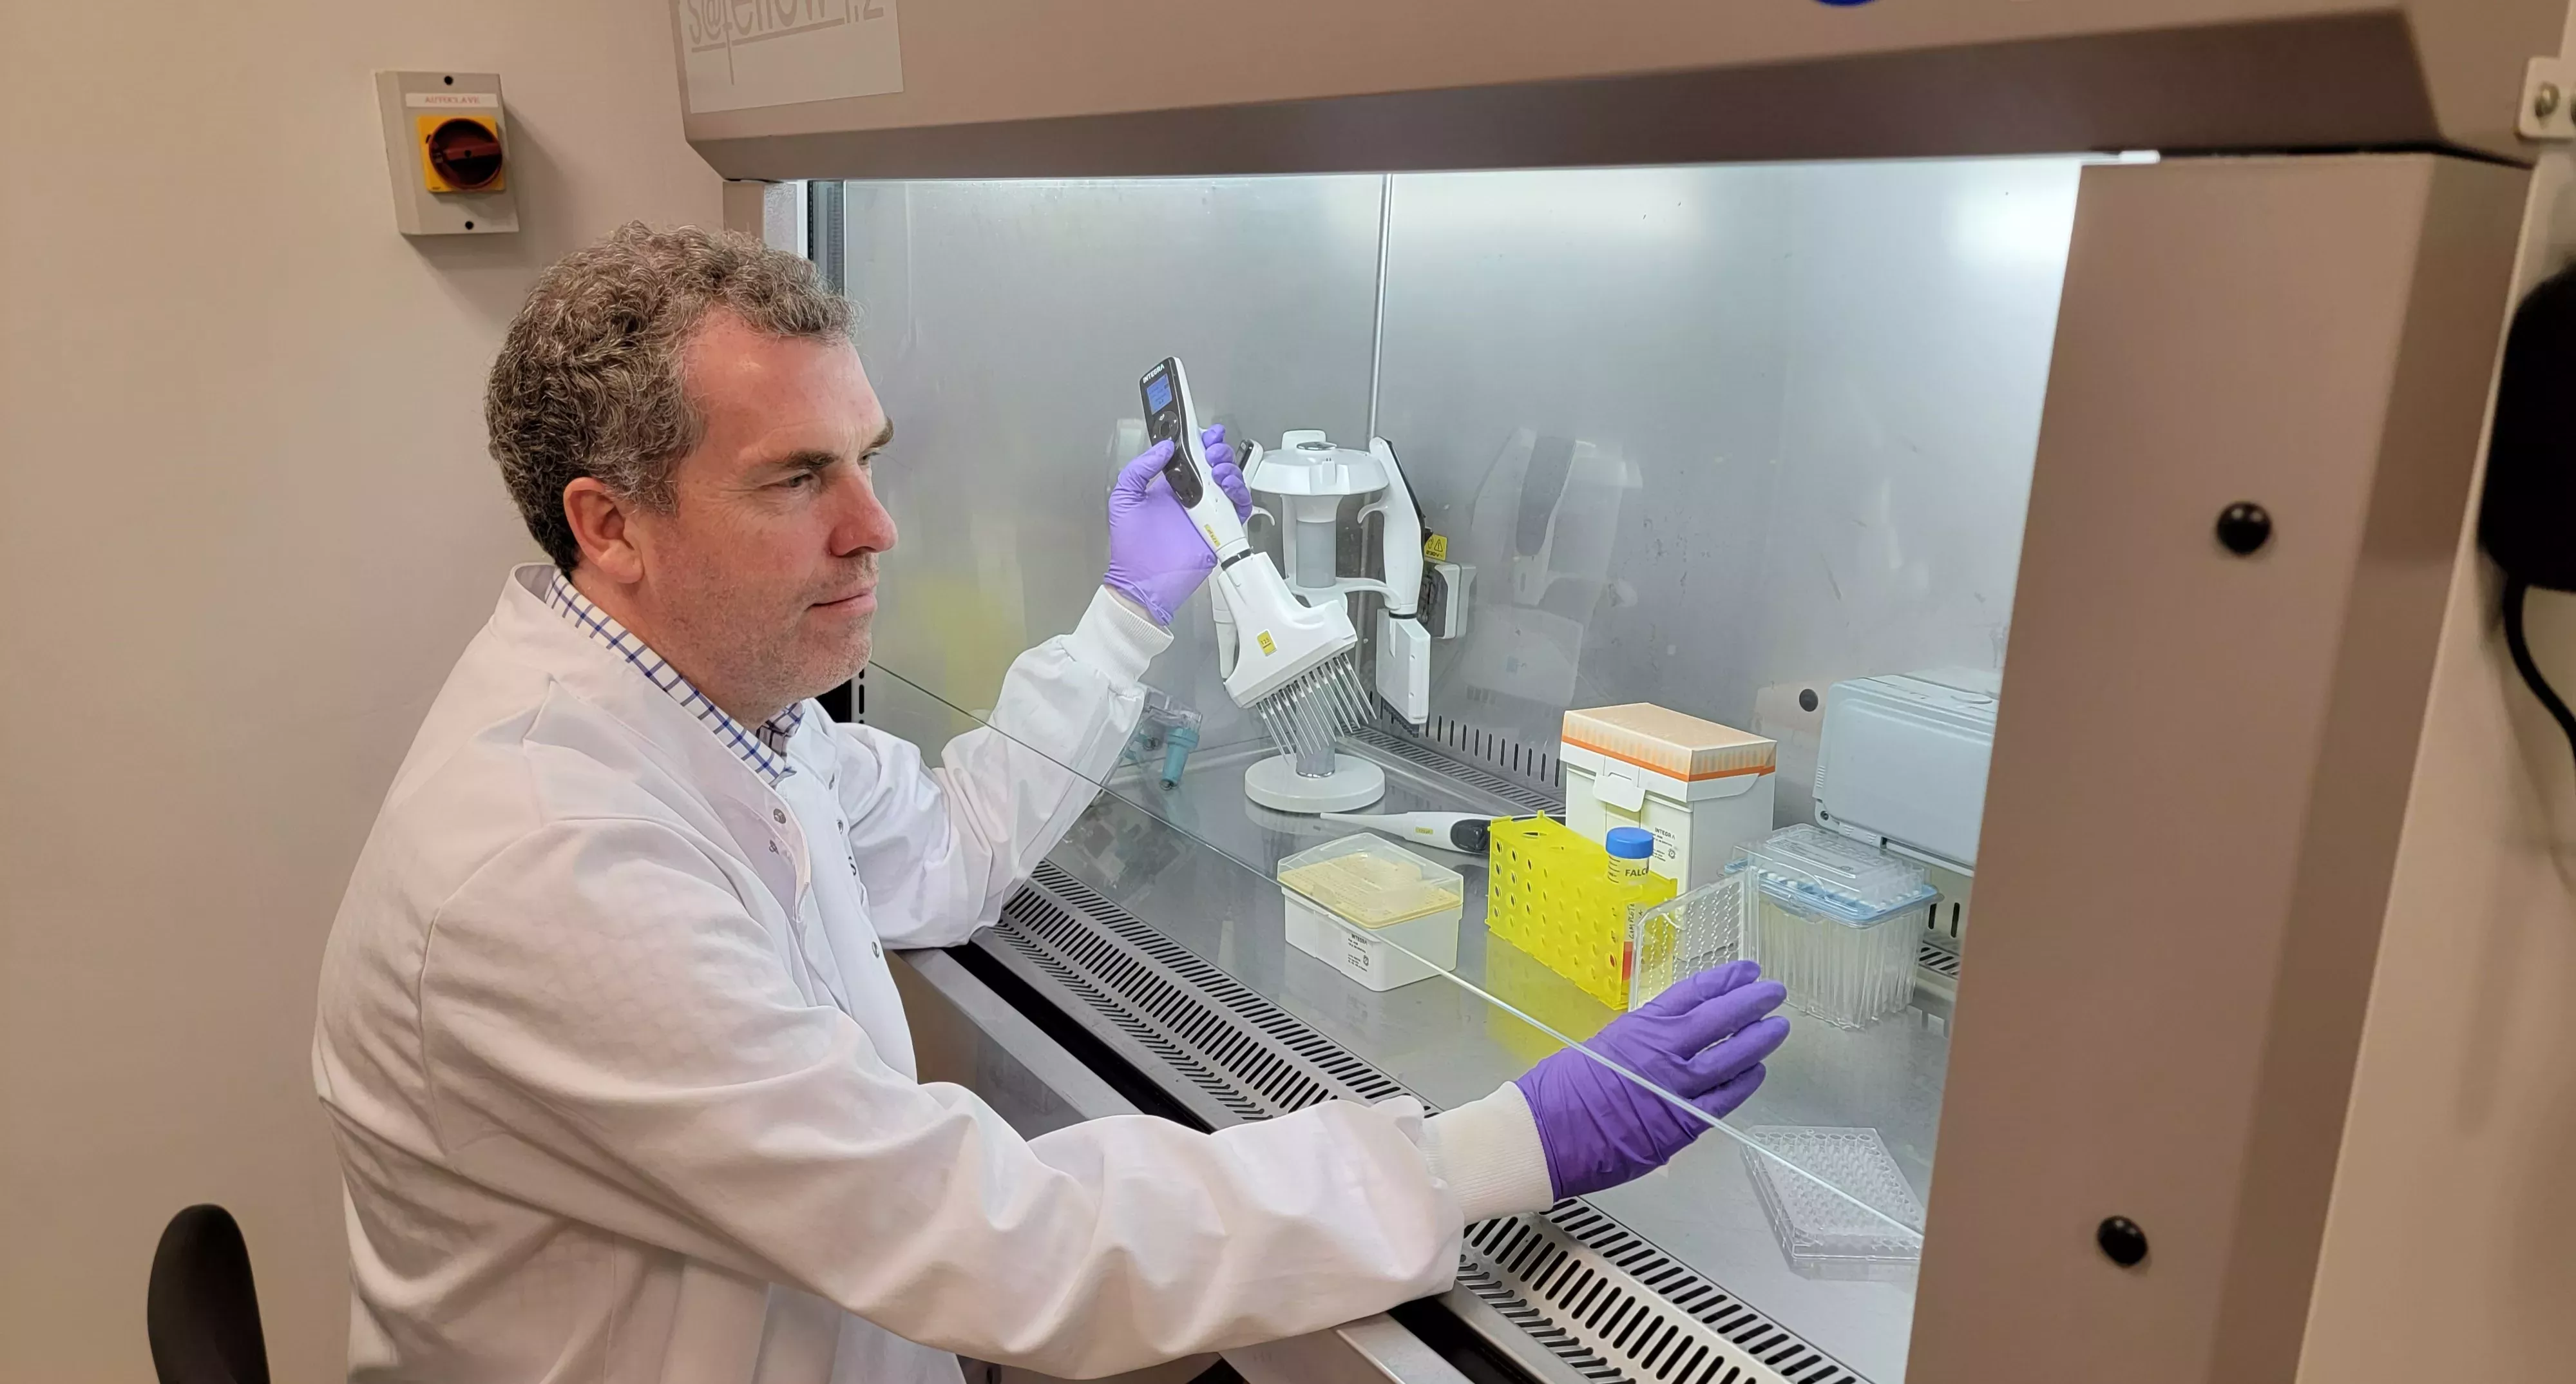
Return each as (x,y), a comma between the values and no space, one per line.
(939,850)
(610,1036)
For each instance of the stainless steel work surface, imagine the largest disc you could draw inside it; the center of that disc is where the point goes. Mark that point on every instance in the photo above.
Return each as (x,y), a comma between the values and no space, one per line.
(1450,1044)
(1194,864)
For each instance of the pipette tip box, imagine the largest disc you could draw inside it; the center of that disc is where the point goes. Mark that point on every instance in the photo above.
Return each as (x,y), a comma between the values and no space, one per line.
(1834,920)
(1702,788)
(1373,910)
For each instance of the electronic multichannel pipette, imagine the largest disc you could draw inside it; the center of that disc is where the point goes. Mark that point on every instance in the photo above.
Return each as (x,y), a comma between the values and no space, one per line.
(1289,663)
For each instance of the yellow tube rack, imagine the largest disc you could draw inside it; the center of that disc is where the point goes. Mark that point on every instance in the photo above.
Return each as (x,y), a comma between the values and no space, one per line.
(1548,892)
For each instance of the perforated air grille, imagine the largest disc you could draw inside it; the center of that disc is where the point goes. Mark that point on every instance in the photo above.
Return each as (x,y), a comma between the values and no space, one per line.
(1248,1054)
(1614,1307)
(1604,1303)
(1938,960)
(1461,758)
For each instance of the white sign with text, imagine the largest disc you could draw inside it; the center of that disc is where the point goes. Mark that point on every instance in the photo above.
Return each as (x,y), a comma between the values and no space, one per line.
(744,53)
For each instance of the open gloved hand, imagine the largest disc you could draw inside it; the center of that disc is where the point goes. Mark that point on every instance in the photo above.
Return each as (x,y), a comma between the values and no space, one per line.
(1703,1040)
(1156,556)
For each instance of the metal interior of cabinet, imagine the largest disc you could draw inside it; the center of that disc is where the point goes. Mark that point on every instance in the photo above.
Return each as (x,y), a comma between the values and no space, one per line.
(1706,433)
(1536,788)
(1598,1301)
(1561,457)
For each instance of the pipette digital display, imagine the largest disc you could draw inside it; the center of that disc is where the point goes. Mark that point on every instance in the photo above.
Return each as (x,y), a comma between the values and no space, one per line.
(1168,419)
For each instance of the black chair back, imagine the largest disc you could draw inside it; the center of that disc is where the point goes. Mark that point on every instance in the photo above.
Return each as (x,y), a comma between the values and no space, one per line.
(201,1311)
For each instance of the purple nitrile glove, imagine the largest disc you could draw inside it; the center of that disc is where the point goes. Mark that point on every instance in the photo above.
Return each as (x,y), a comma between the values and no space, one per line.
(1703,1040)
(1156,556)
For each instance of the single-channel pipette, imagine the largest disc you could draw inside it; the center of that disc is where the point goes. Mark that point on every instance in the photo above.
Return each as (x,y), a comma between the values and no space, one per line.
(1452,831)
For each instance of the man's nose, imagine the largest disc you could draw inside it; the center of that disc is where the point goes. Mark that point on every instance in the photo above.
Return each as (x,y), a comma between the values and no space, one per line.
(863,524)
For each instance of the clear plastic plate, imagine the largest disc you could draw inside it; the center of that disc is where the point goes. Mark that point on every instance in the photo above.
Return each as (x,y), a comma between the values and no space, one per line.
(1825,1235)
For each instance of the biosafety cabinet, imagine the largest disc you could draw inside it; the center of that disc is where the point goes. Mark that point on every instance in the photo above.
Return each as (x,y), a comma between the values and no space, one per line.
(2046,425)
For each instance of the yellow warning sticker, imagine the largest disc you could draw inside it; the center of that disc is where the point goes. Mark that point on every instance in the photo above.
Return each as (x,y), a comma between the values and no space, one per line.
(1267,646)
(1436,547)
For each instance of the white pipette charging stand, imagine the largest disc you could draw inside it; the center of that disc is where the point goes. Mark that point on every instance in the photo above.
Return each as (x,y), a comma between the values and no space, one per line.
(1351,782)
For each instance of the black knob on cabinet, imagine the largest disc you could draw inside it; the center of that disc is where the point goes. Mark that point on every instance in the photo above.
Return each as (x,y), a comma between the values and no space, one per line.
(2243,527)
(2122,1241)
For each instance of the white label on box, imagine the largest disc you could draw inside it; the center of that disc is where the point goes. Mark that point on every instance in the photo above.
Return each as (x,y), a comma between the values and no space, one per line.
(453,100)
(741,54)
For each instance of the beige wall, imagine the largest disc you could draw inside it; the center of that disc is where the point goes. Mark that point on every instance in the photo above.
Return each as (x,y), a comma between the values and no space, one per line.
(246,522)
(2450,1248)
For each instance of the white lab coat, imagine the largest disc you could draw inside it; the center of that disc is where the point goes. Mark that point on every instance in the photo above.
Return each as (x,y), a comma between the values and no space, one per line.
(623,1090)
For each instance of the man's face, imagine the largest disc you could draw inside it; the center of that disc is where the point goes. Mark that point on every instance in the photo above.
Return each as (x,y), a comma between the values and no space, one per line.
(762,575)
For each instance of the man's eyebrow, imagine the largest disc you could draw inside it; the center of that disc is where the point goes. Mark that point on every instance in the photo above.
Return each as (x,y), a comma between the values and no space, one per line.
(816,459)
(806,459)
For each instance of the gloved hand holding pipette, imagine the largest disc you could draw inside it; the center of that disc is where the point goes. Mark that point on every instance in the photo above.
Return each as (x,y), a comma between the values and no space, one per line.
(1156,556)
(1702,1040)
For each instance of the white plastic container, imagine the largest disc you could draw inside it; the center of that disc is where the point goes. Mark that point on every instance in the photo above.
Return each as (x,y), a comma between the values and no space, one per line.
(1373,910)
(1702,788)
(1903,762)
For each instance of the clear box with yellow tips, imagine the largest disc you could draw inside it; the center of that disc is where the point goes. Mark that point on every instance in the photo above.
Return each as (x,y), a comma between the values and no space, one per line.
(1373,910)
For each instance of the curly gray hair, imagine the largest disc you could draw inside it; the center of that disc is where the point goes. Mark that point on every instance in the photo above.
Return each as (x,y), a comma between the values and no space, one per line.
(589,382)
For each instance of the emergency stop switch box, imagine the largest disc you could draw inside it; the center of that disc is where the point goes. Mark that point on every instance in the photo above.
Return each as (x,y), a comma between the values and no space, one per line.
(447,145)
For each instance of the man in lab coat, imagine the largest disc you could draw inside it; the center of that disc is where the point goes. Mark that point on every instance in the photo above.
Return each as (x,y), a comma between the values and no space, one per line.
(620,1083)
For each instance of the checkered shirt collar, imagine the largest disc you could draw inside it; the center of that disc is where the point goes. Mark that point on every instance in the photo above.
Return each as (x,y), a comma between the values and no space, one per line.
(764,749)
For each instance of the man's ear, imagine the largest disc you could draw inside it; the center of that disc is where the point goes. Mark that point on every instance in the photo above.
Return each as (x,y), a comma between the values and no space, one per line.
(600,523)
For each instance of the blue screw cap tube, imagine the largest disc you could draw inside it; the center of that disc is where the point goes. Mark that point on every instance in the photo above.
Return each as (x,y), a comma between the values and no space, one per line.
(1630,849)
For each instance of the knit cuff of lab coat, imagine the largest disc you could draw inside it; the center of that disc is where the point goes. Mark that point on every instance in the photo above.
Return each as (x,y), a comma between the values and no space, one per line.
(1488,1152)
(1117,637)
